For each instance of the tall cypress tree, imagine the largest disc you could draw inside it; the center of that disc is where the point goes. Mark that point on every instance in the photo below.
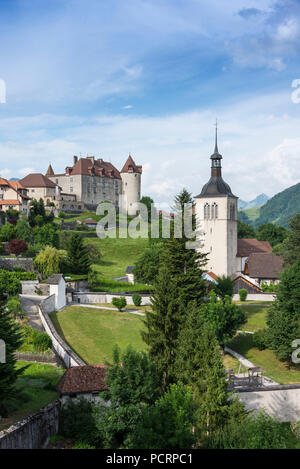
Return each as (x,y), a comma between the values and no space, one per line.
(78,255)
(11,335)
(163,324)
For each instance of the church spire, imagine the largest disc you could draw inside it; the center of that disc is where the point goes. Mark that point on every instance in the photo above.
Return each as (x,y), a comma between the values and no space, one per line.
(216,139)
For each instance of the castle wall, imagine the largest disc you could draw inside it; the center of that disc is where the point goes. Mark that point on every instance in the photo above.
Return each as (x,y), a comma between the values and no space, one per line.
(131,189)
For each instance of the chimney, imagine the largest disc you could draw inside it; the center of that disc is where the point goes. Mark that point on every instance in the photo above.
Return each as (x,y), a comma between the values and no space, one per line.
(91,158)
(75,159)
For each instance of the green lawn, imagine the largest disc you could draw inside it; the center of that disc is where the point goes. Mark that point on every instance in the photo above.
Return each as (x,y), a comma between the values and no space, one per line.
(257,316)
(117,254)
(272,367)
(38,382)
(92,333)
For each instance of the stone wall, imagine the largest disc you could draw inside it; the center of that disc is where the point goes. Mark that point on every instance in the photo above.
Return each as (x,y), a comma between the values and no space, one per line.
(92,298)
(9,263)
(34,431)
(67,355)
(257,297)
(282,402)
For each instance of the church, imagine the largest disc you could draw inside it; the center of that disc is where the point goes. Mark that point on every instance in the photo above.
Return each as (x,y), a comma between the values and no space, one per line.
(248,262)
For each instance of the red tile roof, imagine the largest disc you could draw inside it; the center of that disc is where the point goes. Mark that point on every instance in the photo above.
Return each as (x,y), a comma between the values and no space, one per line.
(16,185)
(83,379)
(247,246)
(130,166)
(50,171)
(264,265)
(10,202)
(97,167)
(212,275)
(3,182)
(37,180)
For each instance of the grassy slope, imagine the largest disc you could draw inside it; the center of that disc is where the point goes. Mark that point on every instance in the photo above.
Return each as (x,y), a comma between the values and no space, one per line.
(92,333)
(257,316)
(117,254)
(33,382)
(252,213)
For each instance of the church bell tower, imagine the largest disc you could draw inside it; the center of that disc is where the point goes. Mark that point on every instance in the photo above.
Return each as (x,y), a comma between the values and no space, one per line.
(216,214)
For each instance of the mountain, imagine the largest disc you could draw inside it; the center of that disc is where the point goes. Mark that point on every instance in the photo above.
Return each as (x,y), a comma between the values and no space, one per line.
(280,208)
(261,199)
(14,179)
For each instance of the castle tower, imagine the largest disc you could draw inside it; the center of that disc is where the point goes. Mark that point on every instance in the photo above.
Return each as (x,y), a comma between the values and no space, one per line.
(216,213)
(131,184)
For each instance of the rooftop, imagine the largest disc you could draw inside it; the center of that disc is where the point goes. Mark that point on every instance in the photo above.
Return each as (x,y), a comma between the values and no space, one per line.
(83,379)
(264,265)
(130,166)
(55,279)
(37,180)
(247,246)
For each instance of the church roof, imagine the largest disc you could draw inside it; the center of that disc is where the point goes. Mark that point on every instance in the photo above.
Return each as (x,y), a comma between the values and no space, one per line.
(130,166)
(247,246)
(215,187)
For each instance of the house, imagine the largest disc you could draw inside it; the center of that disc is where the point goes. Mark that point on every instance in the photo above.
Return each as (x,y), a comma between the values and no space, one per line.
(90,223)
(83,382)
(57,286)
(13,195)
(264,267)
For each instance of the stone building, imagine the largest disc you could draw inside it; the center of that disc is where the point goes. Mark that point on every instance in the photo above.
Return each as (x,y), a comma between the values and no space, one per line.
(94,180)
(13,195)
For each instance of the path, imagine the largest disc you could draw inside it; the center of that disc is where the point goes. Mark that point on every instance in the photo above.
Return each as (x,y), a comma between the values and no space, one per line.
(131,311)
(30,304)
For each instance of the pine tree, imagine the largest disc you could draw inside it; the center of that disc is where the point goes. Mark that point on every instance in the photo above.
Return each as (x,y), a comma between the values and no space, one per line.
(11,335)
(199,364)
(163,324)
(78,255)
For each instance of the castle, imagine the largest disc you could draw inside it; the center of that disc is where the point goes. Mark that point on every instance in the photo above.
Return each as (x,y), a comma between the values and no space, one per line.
(87,183)
(247,261)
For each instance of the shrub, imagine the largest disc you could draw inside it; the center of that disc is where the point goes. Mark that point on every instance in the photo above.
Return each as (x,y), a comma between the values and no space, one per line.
(119,303)
(260,339)
(137,299)
(61,214)
(41,341)
(7,232)
(77,422)
(17,246)
(243,294)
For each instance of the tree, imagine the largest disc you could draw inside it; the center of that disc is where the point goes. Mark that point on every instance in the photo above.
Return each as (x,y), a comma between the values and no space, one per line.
(14,307)
(37,208)
(46,235)
(163,324)
(146,200)
(199,364)
(9,284)
(272,233)
(10,333)
(119,303)
(224,287)
(147,267)
(24,231)
(169,423)
(50,260)
(284,314)
(94,252)
(17,246)
(78,255)
(245,230)
(7,232)
(291,245)
(12,216)
(224,316)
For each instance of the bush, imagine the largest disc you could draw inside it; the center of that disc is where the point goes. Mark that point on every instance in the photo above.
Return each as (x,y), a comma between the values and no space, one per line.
(137,299)
(119,303)
(77,422)
(17,246)
(260,339)
(61,214)
(243,294)
(41,342)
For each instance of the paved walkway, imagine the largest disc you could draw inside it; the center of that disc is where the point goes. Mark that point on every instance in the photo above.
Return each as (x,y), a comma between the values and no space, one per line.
(131,311)
(30,304)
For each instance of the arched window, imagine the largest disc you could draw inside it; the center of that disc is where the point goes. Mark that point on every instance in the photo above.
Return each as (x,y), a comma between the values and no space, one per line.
(214,210)
(206,211)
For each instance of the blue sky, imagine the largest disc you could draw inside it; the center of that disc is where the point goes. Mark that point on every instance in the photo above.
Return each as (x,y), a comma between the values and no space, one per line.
(109,77)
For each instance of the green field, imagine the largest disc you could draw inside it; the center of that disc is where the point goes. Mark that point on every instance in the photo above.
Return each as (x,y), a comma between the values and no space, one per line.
(257,316)
(93,333)
(38,382)
(117,254)
(252,213)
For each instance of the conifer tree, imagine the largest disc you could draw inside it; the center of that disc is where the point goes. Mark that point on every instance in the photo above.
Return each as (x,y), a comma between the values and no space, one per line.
(10,334)
(78,255)
(163,324)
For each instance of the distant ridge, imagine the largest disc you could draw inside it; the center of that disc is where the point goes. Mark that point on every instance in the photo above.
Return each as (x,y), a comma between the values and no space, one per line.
(261,199)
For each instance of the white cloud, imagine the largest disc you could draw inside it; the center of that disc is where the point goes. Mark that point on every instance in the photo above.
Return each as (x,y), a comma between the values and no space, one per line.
(287,30)
(128,106)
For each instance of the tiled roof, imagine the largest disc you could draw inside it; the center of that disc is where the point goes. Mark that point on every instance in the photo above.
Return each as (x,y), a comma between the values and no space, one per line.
(37,180)
(98,167)
(83,379)
(264,265)
(3,182)
(16,185)
(130,165)
(54,279)
(247,246)
(212,275)
(10,202)
(50,171)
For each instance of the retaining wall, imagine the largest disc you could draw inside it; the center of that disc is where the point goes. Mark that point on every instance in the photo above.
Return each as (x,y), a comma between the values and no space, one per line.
(257,297)
(67,355)
(34,431)
(9,263)
(92,298)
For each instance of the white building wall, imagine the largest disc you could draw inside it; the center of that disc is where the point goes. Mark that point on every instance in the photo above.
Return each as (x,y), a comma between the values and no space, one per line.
(219,235)
(60,294)
(131,189)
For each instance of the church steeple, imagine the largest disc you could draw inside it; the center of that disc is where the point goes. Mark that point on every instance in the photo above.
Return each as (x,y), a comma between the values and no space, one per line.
(216,158)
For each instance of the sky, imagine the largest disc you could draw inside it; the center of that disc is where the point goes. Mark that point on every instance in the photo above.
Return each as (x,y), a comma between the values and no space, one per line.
(107,78)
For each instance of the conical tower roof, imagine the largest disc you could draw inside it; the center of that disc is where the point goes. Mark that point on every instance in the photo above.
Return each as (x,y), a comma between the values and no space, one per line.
(50,171)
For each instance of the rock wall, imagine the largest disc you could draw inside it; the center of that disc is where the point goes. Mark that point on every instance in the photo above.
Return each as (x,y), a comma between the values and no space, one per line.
(93,298)
(34,431)
(9,263)
(257,297)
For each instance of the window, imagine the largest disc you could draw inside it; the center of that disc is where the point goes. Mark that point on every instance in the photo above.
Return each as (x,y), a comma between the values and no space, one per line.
(56,180)
(71,189)
(232,212)
(214,210)
(206,211)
